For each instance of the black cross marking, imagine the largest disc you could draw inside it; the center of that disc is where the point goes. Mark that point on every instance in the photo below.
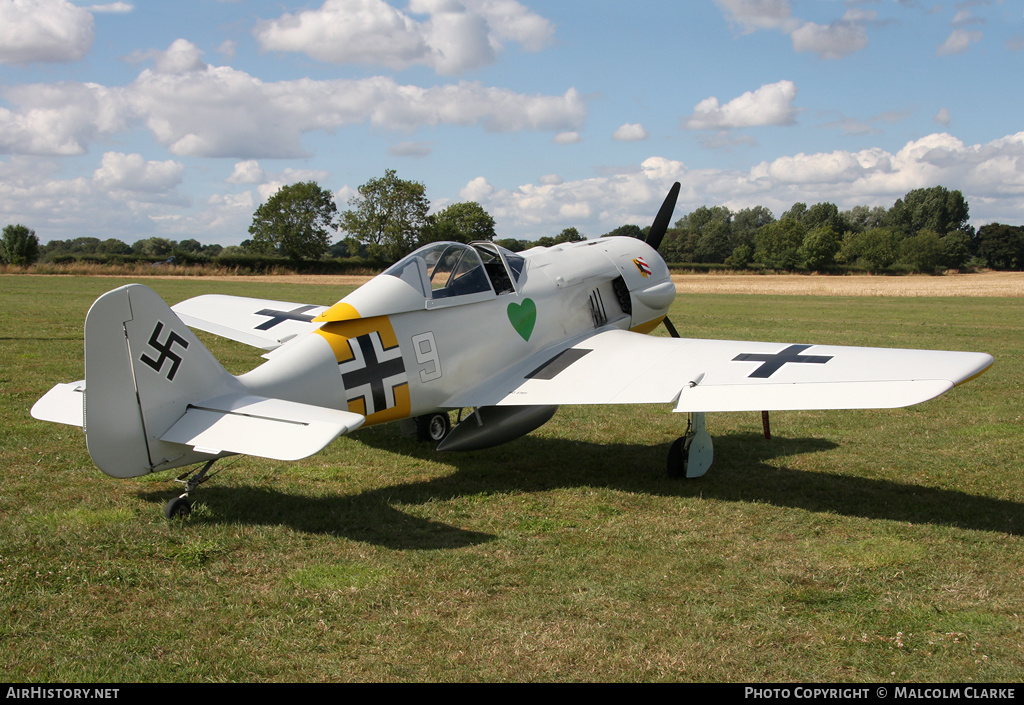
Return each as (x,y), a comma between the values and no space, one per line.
(298,314)
(373,373)
(773,362)
(166,350)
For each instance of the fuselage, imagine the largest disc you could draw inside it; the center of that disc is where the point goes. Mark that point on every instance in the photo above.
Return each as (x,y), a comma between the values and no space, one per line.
(450,318)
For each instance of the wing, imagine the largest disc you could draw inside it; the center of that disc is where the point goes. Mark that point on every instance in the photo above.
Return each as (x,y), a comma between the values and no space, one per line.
(261,323)
(620,367)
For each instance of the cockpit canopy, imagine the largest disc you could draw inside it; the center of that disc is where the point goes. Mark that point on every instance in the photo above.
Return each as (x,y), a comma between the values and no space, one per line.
(442,270)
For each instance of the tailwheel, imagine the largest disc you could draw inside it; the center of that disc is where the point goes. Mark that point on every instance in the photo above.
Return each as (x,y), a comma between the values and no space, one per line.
(690,456)
(181,506)
(178,508)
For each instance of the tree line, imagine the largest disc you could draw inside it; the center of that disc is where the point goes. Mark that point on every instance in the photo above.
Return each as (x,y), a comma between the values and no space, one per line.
(925,231)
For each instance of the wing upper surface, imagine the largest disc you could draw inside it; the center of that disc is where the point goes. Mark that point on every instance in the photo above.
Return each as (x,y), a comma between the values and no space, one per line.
(620,367)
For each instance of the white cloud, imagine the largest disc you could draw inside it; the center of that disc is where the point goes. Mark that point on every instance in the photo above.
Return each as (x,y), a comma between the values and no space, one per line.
(867,177)
(631,132)
(959,41)
(43,31)
(247,172)
(771,104)
(194,109)
(411,149)
(753,15)
(568,137)
(117,8)
(456,37)
(834,40)
(131,172)
(829,41)
(942,117)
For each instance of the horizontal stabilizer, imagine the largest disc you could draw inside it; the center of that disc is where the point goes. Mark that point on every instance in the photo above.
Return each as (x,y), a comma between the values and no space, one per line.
(65,403)
(267,428)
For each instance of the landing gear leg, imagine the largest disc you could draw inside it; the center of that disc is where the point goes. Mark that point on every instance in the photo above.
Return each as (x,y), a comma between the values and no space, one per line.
(181,506)
(690,456)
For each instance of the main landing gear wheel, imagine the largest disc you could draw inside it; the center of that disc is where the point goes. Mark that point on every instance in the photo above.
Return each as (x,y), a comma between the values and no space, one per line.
(690,456)
(433,427)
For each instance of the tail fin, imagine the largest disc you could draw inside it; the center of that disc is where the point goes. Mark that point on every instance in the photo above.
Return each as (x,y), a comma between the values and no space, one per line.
(143,366)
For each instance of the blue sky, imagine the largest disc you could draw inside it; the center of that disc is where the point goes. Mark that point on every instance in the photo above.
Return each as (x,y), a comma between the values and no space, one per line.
(141,119)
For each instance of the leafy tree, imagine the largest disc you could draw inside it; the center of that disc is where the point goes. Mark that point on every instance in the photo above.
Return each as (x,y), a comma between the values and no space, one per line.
(512,244)
(937,209)
(777,244)
(1002,246)
(747,222)
(715,243)
(823,215)
(154,247)
(113,246)
(713,226)
(861,218)
(923,251)
(19,246)
(387,216)
(819,248)
(876,248)
(627,231)
(295,222)
(956,249)
(460,222)
(569,235)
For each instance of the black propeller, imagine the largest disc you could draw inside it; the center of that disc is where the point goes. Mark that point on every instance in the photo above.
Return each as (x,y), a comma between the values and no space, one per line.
(657,234)
(660,225)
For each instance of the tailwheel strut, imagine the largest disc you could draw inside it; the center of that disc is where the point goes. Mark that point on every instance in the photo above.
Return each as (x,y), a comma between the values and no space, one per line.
(181,506)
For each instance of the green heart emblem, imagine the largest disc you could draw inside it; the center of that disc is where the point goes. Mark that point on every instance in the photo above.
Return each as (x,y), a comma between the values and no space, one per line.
(523,317)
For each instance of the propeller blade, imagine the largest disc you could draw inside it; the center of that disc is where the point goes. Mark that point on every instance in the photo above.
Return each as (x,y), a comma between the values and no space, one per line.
(661,222)
(671,328)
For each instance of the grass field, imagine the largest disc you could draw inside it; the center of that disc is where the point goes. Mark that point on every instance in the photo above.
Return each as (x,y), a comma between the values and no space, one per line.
(853,546)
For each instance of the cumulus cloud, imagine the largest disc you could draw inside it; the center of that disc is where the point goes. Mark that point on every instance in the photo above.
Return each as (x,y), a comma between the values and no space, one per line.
(131,172)
(847,178)
(771,104)
(631,132)
(194,109)
(753,15)
(455,36)
(834,40)
(247,172)
(43,31)
(567,137)
(829,41)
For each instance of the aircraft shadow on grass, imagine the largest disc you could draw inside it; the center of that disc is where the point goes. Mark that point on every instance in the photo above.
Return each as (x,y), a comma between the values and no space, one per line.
(742,474)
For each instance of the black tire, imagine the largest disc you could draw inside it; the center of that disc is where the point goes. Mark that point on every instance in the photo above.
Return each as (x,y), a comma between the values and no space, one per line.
(677,459)
(433,428)
(178,508)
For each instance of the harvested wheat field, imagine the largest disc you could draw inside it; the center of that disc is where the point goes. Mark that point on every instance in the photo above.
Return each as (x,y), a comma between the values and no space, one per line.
(981,284)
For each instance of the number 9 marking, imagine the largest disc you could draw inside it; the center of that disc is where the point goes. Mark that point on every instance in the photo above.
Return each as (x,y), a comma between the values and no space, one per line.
(426,354)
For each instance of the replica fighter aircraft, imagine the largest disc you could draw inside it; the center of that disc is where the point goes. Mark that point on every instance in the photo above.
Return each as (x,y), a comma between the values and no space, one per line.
(451,326)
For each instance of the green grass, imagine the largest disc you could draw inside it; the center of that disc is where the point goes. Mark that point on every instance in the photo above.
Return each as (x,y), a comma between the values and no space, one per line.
(853,546)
